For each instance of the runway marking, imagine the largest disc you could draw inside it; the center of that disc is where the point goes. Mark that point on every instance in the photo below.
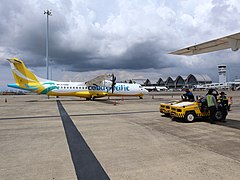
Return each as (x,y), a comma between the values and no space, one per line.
(85,163)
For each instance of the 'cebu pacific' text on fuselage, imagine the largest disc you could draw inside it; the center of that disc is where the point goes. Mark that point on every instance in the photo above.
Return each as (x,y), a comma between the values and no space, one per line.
(102,88)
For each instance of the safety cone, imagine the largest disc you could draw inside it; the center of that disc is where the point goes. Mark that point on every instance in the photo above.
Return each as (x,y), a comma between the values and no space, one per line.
(122,98)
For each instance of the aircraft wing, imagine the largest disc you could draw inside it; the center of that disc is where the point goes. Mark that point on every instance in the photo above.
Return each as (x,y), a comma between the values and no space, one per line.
(231,41)
(98,81)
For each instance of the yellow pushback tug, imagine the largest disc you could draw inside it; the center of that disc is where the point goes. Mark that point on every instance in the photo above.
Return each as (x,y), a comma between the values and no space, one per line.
(187,111)
(165,108)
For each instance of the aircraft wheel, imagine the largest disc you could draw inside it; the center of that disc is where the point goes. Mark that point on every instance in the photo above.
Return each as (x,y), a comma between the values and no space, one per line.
(190,116)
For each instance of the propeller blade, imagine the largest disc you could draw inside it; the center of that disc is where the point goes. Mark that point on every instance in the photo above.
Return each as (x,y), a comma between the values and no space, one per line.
(113,82)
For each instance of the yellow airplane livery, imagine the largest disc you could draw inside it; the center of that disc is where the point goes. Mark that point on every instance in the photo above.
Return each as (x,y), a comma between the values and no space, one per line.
(95,88)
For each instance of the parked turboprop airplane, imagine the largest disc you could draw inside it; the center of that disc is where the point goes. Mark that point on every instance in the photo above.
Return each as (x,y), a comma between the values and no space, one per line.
(231,41)
(95,88)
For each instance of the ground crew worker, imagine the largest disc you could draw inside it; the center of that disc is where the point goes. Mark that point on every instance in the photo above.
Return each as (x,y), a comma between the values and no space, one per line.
(212,105)
(215,94)
(223,100)
(188,95)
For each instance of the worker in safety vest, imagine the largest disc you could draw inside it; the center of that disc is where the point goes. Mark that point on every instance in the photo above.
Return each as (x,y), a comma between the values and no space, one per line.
(212,105)
(223,101)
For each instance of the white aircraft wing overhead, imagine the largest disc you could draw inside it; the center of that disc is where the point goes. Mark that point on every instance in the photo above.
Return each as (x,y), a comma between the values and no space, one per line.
(231,41)
(98,80)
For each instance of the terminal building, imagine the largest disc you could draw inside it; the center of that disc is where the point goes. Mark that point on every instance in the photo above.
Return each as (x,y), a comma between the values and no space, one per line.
(195,81)
(178,82)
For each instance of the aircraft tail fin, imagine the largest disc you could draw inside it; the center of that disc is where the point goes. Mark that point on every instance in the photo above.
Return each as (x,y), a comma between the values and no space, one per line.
(21,73)
(25,79)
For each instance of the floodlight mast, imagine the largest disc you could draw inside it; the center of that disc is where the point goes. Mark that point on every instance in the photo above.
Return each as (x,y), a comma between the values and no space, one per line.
(48,13)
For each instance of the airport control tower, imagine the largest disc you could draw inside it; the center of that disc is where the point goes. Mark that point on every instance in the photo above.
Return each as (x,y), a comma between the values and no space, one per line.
(222,72)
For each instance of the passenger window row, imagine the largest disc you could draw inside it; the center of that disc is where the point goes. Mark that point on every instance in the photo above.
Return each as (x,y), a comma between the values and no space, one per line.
(73,87)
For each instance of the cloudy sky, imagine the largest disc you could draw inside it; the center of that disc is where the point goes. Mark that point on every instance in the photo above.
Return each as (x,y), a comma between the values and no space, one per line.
(131,38)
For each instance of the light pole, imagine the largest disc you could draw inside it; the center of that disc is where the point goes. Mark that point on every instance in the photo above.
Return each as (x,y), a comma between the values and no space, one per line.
(48,13)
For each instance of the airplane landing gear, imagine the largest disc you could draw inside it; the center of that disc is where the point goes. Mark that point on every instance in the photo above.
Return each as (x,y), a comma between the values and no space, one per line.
(91,98)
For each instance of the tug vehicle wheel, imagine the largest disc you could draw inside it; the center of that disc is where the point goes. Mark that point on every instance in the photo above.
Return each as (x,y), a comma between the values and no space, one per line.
(190,116)
(219,115)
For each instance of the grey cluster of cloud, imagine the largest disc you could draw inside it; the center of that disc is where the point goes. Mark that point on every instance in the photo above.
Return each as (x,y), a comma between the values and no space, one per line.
(119,35)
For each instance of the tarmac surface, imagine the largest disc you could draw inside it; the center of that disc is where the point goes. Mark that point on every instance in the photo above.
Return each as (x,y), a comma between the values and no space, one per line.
(70,138)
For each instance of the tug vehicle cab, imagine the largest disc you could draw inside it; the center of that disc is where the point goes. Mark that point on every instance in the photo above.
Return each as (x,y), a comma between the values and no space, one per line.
(190,111)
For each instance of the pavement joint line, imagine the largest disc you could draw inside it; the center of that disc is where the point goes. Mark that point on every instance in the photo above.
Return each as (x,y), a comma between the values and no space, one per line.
(85,163)
(114,113)
(26,117)
(95,114)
